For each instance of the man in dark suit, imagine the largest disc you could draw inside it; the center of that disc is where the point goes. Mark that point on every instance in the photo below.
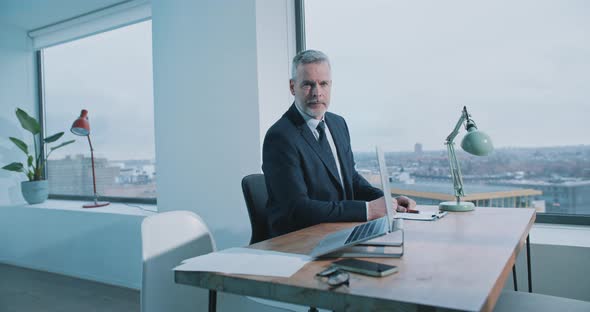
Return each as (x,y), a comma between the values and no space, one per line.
(308,162)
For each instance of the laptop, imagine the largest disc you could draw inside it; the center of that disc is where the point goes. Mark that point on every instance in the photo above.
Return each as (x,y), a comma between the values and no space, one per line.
(362,232)
(392,237)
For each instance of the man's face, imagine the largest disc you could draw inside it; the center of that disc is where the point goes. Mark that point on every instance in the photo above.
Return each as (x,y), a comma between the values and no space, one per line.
(312,88)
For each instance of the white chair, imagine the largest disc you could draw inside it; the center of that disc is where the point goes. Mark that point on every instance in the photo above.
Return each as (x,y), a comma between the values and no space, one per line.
(167,239)
(510,301)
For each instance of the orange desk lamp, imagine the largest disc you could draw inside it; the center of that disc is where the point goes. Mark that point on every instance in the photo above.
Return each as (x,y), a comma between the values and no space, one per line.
(81,127)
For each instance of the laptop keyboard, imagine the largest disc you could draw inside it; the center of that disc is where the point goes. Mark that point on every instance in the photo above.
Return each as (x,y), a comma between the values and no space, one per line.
(366,230)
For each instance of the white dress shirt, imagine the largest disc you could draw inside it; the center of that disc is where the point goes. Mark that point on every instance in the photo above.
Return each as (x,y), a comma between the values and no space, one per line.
(313,123)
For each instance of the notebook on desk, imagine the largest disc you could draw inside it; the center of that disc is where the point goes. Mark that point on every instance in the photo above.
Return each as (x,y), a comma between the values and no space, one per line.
(422,215)
(366,231)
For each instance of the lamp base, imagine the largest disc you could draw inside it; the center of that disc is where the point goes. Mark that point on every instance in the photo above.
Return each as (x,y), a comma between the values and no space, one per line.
(95,204)
(454,206)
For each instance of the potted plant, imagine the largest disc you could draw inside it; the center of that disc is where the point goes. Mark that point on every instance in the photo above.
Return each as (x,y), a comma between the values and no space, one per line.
(36,189)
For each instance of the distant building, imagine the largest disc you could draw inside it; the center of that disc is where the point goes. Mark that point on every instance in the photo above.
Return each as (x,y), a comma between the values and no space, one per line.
(73,175)
(418,148)
(561,196)
(482,195)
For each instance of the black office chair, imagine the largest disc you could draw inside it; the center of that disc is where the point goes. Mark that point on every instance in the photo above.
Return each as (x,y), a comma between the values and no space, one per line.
(256,196)
(254,189)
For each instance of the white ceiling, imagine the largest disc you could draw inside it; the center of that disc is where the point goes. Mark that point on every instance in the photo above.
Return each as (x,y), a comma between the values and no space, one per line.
(32,14)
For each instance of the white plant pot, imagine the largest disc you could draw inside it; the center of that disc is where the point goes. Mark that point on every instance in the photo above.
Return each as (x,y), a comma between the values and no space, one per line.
(35,192)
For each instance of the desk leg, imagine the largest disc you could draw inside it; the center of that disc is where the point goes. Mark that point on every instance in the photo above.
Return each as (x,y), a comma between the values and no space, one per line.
(528,261)
(212,300)
(514,277)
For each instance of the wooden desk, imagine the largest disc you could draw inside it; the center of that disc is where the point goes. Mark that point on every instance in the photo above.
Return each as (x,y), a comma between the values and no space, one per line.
(460,262)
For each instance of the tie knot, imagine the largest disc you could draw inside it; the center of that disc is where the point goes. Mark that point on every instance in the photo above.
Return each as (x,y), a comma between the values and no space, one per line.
(321,127)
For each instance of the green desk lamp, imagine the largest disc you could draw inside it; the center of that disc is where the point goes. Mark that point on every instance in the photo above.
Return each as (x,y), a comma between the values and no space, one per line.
(475,142)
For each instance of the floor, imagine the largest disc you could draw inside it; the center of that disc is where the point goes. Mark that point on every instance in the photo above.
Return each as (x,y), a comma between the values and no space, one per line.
(30,290)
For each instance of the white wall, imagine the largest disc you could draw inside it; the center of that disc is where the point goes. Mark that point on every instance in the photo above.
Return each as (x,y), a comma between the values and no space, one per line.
(103,244)
(18,87)
(209,70)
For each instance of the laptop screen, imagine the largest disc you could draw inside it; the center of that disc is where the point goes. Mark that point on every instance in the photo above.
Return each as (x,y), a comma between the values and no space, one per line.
(385,187)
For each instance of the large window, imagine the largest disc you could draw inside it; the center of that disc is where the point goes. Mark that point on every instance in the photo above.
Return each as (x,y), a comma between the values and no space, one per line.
(110,75)
(403,70)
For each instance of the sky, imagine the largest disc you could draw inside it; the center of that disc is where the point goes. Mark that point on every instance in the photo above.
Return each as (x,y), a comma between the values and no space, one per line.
(110,75)
(403,70)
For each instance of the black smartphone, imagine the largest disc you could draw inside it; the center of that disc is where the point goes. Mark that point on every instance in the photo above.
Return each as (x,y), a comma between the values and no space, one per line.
(365,267)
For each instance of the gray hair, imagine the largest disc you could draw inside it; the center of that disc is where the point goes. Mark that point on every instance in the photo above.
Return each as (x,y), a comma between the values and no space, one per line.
(307,57)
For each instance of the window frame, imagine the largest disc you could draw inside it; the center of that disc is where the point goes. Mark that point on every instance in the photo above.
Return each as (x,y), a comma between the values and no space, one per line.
(550,218)
(299,25)
(39,59)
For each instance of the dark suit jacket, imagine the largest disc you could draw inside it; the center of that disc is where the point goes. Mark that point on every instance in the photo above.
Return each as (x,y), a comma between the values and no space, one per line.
(303,189)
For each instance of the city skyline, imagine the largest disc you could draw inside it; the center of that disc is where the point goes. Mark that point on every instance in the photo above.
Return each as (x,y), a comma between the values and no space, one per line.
(371,150)
(553,179)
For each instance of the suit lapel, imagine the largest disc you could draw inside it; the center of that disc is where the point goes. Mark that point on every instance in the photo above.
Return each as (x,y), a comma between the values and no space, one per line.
(299,122)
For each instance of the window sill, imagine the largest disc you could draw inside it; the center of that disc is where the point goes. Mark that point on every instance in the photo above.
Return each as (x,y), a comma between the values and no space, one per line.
(113,208)
(561,235)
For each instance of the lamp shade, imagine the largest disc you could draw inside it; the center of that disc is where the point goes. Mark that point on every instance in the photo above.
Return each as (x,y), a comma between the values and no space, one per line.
(477,143)
(81,126)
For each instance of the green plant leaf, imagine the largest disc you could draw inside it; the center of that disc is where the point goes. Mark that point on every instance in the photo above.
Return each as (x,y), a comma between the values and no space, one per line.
(27,122)
(53,138)
(62,144)
(30,161)
(15,166)
(20,144)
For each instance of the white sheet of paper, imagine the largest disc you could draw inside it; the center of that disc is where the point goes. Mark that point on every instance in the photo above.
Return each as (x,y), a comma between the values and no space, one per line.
(247,261)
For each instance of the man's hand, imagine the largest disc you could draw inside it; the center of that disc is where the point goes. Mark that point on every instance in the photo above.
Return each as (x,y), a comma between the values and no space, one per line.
(400,204)
(406,204)
(377,208)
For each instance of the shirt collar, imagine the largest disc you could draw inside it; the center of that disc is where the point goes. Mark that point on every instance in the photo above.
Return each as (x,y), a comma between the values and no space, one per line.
(312,123)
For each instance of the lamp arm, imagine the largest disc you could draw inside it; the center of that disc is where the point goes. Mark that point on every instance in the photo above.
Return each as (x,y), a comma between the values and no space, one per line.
(93,174)
(453,162)
(453,134)
(455,172)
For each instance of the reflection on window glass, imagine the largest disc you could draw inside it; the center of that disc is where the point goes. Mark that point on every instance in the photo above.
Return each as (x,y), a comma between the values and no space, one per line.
(110,75)
(403,70)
